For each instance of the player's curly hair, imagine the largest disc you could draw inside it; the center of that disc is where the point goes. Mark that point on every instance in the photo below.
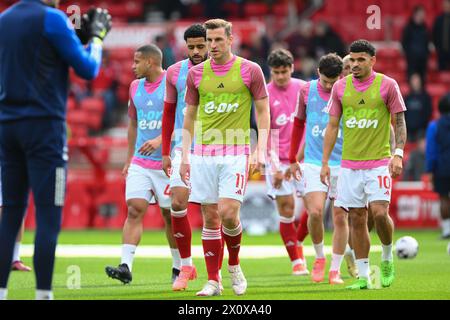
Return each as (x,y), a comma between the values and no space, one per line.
(362,45)
(195,31)
(331,65)
(280,58)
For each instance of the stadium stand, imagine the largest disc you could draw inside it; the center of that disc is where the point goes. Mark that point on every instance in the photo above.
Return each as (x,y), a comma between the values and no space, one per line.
(94,202)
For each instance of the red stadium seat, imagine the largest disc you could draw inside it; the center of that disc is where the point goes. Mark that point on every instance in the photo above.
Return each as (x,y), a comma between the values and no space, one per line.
(389,53)
(153,218)
(122,54)
(280,9)
(93,105)
(71,104)
(77,121)
(231,9)
(196,10)
(77,203)
(129,9)
(255,9)
(437,89)
(95,108)
(393,7)
(337,7)
(444,78)
(111,208)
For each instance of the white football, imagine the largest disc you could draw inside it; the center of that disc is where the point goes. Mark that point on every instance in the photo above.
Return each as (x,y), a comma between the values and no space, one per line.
(406,247)
(448,248)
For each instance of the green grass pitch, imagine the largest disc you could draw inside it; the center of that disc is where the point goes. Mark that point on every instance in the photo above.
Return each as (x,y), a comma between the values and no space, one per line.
(425,277)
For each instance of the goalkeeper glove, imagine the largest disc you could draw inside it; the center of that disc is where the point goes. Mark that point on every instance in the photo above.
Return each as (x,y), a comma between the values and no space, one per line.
(84,33)
(100,23)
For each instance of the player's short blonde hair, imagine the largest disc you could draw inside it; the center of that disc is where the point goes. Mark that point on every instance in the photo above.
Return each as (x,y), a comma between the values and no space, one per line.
(218,23)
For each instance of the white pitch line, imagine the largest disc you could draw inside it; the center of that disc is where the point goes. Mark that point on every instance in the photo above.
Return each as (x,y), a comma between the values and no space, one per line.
(110,251)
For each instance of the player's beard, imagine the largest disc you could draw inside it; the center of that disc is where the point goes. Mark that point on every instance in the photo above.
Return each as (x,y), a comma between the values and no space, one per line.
(204,58)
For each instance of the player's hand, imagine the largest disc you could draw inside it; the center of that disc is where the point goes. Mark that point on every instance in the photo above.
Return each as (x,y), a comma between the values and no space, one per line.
(277,179)
(395,166)
(288,174)
(325,175)
(149,147)
(125,169)
(253,161)
(84,32)
(100,23)
(167,165)
(185,173)
(257,164)
(295,171)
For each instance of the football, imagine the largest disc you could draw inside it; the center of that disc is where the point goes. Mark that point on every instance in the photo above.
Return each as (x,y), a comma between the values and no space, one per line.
(406,247)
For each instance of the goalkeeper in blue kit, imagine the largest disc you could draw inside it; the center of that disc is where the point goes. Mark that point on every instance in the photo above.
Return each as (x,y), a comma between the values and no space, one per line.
(37,46)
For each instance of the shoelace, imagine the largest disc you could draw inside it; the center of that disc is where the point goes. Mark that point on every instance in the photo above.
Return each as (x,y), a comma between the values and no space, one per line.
(316,265)
(386,268)
(237,277)
(210,286)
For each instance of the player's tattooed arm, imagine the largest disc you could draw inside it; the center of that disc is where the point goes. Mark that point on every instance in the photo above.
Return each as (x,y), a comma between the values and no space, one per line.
(396,165)
(392,140)
(400,130)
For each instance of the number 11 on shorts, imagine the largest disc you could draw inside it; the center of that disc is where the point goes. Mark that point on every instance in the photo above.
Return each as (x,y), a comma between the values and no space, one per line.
(240,181)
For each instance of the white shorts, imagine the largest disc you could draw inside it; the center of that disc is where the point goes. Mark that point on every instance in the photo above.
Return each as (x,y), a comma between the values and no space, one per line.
(313,183)
(287,187)
(175,178)
(356,188)
(214,177)
(148,184)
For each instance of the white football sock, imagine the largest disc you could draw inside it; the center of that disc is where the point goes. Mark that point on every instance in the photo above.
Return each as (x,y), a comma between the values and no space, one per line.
(176,259)
(297,261)
(44,295)
(319,250)
(128,251)
(336,261)
(363,268)
(16,255)
(3,294)
(386,255)
(186,261)
(445,227)
(348,250)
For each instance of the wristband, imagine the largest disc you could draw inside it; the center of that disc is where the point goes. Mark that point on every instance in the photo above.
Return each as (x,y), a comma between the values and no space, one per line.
(398,152)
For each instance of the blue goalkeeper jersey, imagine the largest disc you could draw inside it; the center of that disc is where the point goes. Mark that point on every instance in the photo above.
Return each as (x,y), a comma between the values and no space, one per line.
(37,46)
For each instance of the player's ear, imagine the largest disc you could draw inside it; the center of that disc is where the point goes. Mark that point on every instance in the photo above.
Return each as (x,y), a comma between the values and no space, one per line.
(373,60)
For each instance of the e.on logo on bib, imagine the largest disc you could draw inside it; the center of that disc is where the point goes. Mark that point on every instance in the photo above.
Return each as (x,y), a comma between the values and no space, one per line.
(150,124)
(223,107)
(361,123)
(361,118)
(283,119)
